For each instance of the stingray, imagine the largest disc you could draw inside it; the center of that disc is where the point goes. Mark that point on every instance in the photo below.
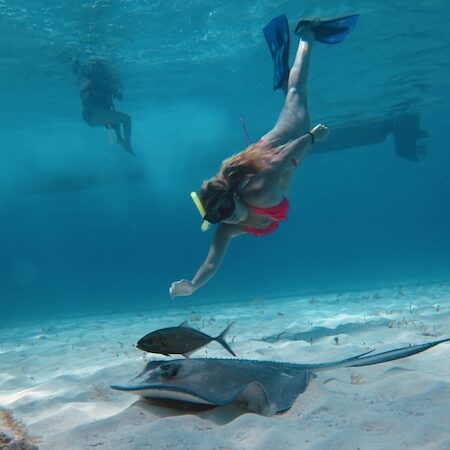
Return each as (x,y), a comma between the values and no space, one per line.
(263,387)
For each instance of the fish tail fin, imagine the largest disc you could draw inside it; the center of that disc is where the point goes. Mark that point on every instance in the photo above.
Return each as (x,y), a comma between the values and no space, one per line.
(221,339)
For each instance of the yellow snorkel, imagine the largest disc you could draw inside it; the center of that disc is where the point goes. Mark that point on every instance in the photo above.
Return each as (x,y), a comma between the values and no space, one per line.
(201,210)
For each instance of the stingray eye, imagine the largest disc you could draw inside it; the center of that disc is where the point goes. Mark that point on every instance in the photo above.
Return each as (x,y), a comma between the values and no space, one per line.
(168,370)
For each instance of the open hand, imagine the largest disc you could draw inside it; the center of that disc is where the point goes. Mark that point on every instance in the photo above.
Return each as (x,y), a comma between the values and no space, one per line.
(181,288)
(320,132)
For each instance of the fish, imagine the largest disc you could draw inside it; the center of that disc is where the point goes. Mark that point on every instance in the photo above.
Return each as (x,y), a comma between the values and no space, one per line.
(262,387)
(181,340)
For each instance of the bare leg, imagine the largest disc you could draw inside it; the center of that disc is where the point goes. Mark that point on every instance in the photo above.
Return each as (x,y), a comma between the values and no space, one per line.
(114,118)
(294,118)
(118,132)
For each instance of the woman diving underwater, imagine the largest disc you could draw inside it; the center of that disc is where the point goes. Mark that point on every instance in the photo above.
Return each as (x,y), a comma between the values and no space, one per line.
(249,193)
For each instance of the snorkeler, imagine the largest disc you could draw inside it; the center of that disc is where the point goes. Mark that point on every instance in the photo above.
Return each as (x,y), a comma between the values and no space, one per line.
(249,193)
(98,86)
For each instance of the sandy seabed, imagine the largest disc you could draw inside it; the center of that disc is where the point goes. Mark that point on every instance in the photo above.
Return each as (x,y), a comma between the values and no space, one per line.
(55,377)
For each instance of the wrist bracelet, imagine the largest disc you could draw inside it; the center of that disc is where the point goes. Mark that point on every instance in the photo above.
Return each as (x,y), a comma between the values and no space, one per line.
(312,137)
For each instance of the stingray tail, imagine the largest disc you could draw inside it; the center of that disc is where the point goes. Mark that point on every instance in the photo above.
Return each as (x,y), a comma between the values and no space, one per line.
(379,358)
(221,339)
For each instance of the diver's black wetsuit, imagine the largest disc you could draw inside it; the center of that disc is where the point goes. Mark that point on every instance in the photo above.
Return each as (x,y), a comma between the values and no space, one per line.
(95,96)
(99,86)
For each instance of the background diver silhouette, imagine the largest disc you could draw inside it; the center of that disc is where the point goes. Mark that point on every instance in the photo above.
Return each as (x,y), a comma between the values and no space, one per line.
(99,85)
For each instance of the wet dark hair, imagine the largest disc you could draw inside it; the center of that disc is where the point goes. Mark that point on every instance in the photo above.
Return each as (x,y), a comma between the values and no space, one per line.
(217,193)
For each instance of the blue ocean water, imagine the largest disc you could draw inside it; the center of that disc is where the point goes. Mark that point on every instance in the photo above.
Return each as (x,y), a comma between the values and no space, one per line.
(85,227)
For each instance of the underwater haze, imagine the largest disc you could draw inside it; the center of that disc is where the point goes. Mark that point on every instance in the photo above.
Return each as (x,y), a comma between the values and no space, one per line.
(86,227)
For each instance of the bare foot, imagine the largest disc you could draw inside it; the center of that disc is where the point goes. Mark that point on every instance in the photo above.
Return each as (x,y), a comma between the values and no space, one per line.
(307,34)
(127,148)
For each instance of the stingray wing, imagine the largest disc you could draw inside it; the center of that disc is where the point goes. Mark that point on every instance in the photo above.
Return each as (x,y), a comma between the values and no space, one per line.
(167,392)
(252,397)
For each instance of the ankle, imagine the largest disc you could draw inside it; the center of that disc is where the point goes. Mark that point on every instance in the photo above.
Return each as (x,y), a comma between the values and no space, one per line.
(307,35)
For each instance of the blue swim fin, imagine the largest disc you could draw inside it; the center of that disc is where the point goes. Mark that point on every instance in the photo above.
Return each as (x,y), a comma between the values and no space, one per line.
(277,36)
(330,31)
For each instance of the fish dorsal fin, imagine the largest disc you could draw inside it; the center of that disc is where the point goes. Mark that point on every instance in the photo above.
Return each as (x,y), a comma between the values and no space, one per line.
(255,399)
(184,324)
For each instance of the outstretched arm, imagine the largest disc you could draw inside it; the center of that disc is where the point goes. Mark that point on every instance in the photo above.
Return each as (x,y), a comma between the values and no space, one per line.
(219,245)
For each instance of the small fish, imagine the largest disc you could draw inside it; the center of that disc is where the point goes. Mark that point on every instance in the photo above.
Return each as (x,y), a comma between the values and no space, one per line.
(181,340)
